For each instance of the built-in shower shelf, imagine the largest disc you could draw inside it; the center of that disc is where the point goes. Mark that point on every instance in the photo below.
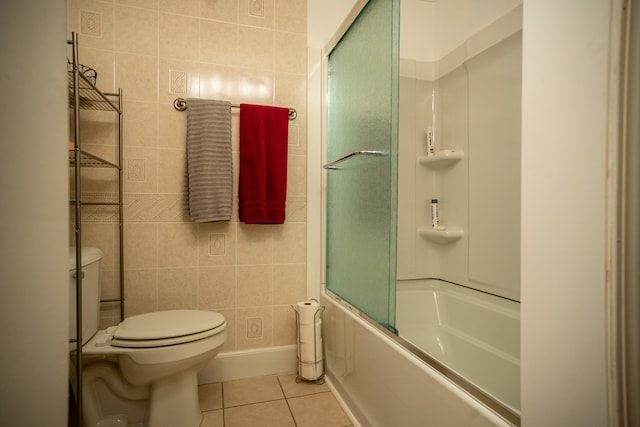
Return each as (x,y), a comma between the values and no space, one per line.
(442,159)
(448,235)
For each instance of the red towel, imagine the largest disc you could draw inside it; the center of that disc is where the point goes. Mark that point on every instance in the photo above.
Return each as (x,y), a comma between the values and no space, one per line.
(262,189)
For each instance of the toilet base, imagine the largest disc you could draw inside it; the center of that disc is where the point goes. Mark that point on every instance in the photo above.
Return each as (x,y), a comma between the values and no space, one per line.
(174,401)
(110,400)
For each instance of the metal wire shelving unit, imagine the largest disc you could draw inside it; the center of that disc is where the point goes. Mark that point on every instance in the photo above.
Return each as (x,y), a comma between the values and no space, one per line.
(84,95)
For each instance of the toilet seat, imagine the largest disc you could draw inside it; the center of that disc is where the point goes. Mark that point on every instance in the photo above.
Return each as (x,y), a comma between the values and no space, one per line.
(165,328)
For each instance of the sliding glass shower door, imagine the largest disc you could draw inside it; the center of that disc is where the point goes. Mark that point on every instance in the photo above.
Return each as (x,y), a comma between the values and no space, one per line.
(362,133)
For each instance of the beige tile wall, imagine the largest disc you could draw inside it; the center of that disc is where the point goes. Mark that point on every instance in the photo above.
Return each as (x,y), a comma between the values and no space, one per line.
(157,50)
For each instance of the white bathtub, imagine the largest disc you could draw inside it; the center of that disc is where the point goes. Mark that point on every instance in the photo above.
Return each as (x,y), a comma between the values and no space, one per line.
(385,382)
(474,334)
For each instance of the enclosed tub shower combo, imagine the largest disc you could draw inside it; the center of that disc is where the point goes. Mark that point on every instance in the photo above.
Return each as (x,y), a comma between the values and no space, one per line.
(422,212)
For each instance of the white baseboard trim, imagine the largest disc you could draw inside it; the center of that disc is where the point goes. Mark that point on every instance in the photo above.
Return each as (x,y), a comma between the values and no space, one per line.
(234,365)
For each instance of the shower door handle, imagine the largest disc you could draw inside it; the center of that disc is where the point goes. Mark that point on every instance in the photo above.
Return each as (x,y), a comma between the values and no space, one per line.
(333,164)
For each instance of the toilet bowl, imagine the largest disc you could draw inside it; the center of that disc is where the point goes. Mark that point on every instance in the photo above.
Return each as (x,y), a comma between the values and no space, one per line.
(146,372)
(142,372)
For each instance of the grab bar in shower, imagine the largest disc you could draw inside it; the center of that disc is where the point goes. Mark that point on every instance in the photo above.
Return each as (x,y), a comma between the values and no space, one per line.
(354,154)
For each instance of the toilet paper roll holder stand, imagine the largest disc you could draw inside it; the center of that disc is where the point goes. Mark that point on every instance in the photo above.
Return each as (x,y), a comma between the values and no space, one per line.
(318,377)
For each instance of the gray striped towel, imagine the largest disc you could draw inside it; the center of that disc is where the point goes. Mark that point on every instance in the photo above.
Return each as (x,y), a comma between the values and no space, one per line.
(209,161)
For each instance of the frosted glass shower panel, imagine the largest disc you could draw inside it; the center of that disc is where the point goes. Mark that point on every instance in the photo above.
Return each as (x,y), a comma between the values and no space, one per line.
(361,191)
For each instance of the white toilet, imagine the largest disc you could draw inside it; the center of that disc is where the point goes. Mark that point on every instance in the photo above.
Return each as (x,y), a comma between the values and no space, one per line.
(145,374)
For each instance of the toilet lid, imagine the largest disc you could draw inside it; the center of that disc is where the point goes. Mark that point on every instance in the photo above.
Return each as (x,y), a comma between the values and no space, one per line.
(167,327)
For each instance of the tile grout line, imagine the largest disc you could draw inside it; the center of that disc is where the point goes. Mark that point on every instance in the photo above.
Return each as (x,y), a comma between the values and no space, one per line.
(254,403)
(286,400)
(224,421)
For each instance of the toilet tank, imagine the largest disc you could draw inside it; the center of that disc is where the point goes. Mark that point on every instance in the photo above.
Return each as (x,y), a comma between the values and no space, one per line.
(90,293)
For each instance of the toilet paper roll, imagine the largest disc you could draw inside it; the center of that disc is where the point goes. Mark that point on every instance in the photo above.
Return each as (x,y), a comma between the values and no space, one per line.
(311,332)
(311,352)
(307,311)
(311,371)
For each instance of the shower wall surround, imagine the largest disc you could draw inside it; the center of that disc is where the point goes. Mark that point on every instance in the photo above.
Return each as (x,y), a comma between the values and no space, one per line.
(158,50)
(470,102)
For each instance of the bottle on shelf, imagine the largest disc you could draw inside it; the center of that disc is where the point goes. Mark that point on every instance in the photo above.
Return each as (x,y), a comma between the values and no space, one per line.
(431,147)
(435,219)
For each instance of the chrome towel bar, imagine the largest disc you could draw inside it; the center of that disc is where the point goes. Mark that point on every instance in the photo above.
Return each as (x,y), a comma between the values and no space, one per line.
(354,154)
(180,104)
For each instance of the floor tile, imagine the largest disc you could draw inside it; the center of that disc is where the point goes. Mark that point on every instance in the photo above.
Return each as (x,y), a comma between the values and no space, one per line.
(212,419)
(293,389)
(251,390)
(267,414)
(318,410)
(210,396)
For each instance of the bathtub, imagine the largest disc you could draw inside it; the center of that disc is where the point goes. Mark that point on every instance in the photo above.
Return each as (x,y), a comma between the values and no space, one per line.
(385,379)
(476,335)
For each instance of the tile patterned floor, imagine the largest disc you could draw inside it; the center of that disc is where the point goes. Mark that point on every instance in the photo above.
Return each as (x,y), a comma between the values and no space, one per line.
(270,401)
